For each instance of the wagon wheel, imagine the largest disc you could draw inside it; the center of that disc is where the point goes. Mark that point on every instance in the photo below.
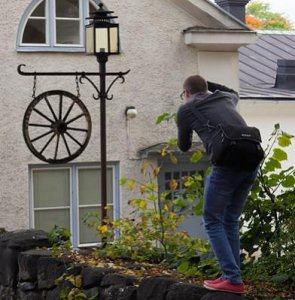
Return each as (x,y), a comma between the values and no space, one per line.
(56,126)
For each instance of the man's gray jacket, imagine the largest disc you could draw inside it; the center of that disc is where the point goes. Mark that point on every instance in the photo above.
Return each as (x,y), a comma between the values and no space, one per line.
(218,107)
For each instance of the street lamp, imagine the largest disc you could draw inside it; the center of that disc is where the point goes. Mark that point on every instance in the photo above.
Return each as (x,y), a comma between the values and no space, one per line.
(102,36)
(102,40)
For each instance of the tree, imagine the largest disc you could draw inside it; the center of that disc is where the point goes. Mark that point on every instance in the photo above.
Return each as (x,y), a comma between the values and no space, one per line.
(260,16)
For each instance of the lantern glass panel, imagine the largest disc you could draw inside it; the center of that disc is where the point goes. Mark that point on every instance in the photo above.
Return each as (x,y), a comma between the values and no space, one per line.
(101,38)
(114,39)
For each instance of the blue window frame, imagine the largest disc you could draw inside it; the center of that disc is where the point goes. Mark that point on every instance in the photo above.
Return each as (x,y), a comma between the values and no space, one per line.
(54,26)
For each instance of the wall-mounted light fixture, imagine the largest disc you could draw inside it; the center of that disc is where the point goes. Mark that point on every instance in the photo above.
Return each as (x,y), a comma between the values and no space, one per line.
(130,112)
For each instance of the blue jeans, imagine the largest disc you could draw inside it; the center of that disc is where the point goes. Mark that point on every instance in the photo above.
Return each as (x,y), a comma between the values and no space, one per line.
(225,195)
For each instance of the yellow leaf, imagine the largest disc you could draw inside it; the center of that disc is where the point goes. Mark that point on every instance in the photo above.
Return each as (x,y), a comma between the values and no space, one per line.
(173,184)
(131,184)
(142,204)
(102,229)
(144,166)
(157,171)
(164,151)
(173,159)
(166,208)
(142,188)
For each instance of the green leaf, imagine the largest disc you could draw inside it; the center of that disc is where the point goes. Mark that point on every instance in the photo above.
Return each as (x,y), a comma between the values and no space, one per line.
(183,267)
(279,154)
(123,180)
(165,117)
(271,165)
(196,156)
(289,182)
(284,141)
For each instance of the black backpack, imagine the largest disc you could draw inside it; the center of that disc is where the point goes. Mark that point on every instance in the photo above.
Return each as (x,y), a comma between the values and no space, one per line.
(234,146)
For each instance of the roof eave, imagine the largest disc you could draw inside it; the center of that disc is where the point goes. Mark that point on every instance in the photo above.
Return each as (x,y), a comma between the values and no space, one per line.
(218,40)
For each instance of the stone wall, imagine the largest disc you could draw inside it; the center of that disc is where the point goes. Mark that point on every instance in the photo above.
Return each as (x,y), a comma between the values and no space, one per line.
(29,273)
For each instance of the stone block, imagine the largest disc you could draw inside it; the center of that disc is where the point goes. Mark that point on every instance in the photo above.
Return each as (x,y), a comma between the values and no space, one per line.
(183,291)
(50,269)
(118,279)
(128,293)
(92,277)
(11,244)
(222,296)
(32,295)
(27,264)
(154,288)
(93,293)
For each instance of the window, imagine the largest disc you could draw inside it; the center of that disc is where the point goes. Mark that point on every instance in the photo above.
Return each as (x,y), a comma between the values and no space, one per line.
(54,25)
(63,196)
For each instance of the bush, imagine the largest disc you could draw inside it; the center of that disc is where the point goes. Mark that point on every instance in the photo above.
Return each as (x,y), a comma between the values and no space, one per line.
(269,216)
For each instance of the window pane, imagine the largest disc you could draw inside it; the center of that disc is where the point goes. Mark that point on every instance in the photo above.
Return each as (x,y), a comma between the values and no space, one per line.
(51,188)
(46,219)
(90,234)
(67,8)
(67,32)
(34,32)
(40,10)
(89,186)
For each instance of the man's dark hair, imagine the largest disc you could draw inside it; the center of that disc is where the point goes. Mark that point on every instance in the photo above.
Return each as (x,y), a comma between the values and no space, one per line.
(195,84)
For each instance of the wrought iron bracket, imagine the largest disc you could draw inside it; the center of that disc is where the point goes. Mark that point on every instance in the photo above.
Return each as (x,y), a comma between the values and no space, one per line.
(82,75)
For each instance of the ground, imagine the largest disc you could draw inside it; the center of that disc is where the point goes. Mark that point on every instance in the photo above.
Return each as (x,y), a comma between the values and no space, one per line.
(254,290)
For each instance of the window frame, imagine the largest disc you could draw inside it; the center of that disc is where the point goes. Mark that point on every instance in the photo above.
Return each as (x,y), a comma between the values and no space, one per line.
(74,196)
(50,30)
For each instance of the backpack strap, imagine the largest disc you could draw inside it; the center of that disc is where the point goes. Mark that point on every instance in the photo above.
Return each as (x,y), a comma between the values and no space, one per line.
(202,119)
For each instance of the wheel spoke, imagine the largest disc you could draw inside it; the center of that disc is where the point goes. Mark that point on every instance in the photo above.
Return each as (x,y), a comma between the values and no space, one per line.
(39,125)
(56,147)
(66,144)
(68,111)
(76,118)
(75,140)
(50,107)
(77,129)
(60,108)
(41,114)
(48,142)
(41,136)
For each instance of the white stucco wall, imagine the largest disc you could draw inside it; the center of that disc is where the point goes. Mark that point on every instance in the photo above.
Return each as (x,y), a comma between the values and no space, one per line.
(265,114)
(154,50)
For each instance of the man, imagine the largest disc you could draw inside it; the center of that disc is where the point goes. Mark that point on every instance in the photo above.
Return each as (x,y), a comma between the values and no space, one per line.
(227,188)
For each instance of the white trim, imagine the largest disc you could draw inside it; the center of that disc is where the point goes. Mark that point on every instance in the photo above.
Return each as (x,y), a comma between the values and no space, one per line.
(113,204)
(50,44)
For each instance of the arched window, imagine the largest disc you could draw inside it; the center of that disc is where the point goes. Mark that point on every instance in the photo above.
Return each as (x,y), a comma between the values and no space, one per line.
(54,25)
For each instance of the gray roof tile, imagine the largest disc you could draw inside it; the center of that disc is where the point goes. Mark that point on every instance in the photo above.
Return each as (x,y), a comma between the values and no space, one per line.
(258,65)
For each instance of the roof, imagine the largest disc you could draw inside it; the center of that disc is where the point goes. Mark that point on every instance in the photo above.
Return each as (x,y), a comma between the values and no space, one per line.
(258,65)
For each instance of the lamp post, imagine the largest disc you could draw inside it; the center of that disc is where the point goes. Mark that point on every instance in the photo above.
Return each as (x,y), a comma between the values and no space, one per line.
(102,40)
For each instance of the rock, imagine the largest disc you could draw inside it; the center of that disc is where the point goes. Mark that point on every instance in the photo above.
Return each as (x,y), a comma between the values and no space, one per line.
(50,269)
(92,277)
(118,279)
(92,293)
(222,296)
(154,288)
(27,264)
(182,291)
(11,244)
(128,293)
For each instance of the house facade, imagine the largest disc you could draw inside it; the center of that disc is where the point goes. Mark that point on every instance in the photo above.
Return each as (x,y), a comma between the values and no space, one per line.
(162,42)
